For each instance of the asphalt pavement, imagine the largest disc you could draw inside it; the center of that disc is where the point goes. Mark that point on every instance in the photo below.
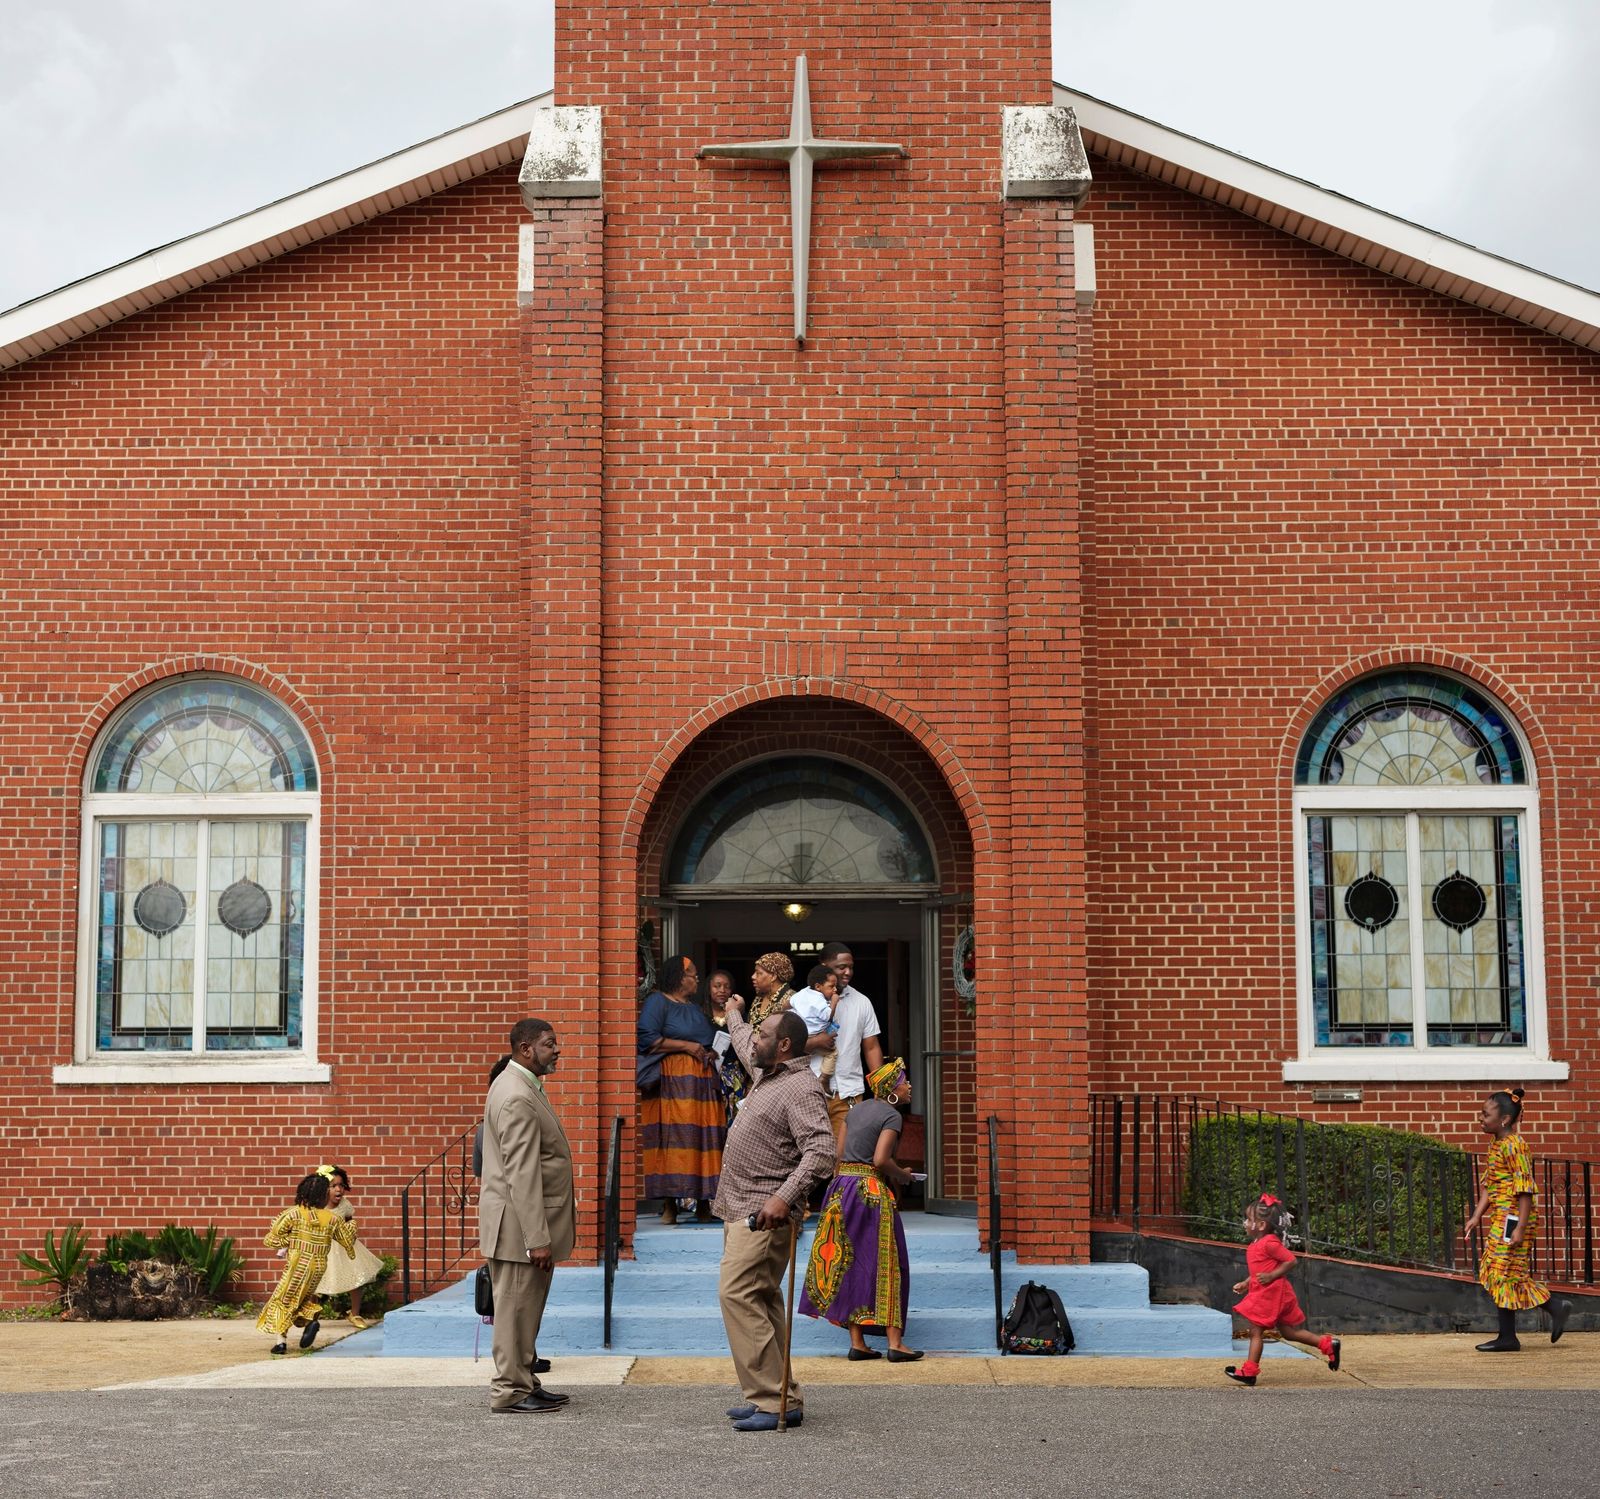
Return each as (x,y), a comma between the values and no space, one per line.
(934,1441)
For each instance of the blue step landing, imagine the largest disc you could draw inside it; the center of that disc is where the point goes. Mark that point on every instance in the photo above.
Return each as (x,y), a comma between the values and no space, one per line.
(665,1304)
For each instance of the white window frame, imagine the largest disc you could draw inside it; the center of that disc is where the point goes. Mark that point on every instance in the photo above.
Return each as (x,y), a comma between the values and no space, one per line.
(279,1066)
(1420,1062)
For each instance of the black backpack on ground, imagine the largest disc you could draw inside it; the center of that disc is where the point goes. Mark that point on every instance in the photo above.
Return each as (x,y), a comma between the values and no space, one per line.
(1036,1323)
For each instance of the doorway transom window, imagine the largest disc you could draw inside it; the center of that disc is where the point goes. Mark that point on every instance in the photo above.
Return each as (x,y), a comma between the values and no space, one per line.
(800,823)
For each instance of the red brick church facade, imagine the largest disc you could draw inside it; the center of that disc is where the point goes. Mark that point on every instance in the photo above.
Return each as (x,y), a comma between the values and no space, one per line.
(537,529)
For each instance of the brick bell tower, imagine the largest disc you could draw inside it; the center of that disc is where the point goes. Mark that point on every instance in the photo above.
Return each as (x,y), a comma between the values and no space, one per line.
(800,382)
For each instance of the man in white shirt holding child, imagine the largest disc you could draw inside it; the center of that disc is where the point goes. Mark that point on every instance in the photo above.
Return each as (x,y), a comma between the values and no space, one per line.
(843,1031)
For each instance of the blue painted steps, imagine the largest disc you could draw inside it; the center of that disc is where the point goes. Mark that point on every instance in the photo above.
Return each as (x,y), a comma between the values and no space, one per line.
(665,1304)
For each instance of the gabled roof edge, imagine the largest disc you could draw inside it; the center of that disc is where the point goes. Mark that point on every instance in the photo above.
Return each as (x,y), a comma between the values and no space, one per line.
(44,323)
(1389,244)
(1342,225)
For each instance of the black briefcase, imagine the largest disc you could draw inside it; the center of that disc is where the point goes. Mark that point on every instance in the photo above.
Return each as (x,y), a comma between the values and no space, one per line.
(483,1294)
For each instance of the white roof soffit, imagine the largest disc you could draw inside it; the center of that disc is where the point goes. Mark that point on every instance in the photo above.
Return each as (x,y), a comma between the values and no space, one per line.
(291,223)
(1392,245)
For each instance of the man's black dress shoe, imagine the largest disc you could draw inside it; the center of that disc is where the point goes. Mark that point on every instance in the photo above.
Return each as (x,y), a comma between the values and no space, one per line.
(541,1366)
(550,1397)
(533,1405)
(309,1336)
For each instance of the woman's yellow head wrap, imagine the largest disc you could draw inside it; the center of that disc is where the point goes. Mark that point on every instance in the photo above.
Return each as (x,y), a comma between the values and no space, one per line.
(886,1079)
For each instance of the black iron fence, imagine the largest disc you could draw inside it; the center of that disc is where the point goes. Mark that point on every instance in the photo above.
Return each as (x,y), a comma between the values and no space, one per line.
(1190,1165)
(1565,1246)
(438,1219)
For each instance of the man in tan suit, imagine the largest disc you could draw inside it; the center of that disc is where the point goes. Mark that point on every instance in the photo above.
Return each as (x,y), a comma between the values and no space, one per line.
(525,1212)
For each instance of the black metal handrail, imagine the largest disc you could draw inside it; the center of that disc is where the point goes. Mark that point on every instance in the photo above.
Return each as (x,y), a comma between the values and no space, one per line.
(994,1231)
(1191,1164)
(613,1219)
(436,1203)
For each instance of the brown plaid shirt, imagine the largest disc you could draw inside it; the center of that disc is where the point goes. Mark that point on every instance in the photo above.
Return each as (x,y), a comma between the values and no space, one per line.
(780,1140)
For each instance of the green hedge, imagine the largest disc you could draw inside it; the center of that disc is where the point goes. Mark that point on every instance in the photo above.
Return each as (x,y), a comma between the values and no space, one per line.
(1358,1191)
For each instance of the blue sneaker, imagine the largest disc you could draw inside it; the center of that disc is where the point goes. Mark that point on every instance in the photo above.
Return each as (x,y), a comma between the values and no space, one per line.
(767,1421)
(740,1412)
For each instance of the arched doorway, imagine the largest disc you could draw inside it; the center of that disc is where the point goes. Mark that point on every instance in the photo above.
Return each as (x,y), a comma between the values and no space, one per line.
(799,822)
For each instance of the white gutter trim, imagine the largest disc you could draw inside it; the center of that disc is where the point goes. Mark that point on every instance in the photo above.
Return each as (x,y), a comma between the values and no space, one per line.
(408,176)
(1340,224)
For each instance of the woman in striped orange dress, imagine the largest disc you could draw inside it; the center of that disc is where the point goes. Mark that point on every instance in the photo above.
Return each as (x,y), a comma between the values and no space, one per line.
(682,1114)
(1509,1208)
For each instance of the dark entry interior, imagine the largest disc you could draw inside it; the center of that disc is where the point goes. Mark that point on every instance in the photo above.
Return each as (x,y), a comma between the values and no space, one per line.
(883,971)
(883,936)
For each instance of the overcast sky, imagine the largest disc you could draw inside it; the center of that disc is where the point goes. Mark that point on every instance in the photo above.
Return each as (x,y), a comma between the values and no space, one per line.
(129,123)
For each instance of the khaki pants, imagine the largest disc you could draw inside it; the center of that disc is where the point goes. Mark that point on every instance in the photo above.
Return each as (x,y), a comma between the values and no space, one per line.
(838,1112)
(751,1291)
(520,1291)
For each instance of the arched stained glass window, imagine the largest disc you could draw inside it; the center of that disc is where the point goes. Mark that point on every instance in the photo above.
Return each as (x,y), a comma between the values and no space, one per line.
(798,822)
(1410,728)
(203,736)
(201,810)
(1412,805)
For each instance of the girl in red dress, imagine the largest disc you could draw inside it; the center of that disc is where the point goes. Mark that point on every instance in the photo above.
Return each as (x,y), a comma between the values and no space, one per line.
(1269,1299)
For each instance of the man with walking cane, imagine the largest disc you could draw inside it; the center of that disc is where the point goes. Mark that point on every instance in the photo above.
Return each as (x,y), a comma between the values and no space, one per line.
(779,1146)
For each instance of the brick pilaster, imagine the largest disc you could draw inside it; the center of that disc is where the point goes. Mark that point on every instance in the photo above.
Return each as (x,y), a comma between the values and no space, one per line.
(562,343)
(1033,1046)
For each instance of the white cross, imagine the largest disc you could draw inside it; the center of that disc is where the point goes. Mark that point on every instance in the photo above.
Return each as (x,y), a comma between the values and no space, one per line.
(801,149)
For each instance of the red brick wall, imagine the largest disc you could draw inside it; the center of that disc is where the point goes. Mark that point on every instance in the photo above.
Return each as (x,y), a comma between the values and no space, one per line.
(308,475)
(1304,469)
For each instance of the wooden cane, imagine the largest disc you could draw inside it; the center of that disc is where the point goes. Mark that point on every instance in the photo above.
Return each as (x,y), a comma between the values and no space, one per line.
(788,1331)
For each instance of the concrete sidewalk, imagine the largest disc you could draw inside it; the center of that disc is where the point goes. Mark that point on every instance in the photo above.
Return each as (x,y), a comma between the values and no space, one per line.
(91,1355)
(46,1356)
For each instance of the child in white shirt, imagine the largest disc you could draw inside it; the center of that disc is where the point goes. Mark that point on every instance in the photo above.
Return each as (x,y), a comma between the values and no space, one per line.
(815,1005)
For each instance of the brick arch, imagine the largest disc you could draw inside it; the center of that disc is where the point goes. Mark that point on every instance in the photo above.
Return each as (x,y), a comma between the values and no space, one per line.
(1522,715)
(646,805)
(158,672)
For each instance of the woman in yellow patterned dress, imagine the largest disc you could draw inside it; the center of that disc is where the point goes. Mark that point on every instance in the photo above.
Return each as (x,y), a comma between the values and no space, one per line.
(1510,1199)
(303,1235)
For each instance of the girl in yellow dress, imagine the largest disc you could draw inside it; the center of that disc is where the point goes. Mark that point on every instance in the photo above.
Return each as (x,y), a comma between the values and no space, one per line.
(362,1268)
(303,1235)
(1510,1198)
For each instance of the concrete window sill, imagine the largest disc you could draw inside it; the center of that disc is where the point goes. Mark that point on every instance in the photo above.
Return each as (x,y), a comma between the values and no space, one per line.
(232,1070)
